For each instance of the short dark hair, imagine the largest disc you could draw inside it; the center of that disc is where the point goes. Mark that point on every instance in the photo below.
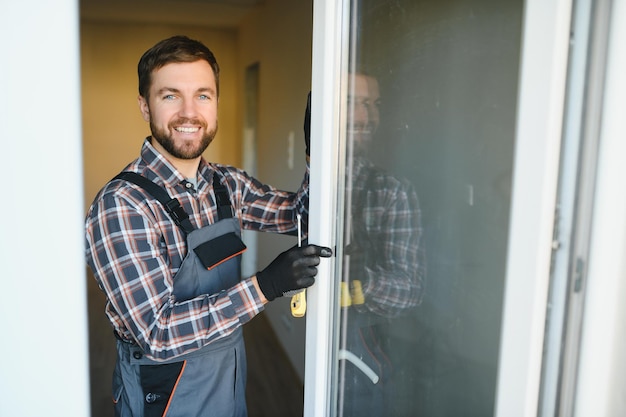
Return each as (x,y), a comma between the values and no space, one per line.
(174,50)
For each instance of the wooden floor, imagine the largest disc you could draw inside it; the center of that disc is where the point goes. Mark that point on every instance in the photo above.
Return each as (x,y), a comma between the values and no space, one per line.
(274,388)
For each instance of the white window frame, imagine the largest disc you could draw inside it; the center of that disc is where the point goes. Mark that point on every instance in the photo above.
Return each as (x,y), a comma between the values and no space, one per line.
(328,36)
(540,115)
(601,387)
(541,97)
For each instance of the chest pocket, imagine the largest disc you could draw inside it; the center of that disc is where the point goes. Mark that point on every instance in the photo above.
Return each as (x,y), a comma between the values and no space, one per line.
(213,261)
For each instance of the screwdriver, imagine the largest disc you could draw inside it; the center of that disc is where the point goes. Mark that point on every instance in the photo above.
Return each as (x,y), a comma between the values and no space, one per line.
(298,301)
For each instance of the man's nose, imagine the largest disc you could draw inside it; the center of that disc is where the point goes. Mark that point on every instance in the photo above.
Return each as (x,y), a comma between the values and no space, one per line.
(188,107)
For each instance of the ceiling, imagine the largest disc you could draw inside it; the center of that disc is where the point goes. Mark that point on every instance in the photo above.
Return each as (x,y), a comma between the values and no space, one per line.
(213,13)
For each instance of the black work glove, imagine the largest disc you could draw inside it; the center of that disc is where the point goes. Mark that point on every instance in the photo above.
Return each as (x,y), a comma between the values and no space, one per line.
(293,269)
(307,125)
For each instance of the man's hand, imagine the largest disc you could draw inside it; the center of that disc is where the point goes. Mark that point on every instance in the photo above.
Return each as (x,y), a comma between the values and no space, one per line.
(293,269)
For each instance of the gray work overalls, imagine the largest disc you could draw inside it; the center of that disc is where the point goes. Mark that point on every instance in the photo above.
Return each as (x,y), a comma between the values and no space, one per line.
(207,382)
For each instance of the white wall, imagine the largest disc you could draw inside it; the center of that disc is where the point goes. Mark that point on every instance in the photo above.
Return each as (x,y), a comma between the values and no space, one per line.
(43,371)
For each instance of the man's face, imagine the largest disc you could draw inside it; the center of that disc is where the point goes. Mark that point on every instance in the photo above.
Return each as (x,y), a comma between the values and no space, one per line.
(363,112)
(182,108)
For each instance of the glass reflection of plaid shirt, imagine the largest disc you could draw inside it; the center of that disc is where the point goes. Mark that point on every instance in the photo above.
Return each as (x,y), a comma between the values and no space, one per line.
(134,250)
(386,251)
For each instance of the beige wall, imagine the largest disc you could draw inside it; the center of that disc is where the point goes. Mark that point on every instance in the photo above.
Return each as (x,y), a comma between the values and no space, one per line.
(279,37)
(113,129)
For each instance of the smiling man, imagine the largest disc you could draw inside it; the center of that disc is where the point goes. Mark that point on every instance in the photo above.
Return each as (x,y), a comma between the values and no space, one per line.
(163,241)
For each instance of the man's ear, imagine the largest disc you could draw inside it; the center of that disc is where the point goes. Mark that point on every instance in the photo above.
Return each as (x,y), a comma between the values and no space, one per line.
(143,107)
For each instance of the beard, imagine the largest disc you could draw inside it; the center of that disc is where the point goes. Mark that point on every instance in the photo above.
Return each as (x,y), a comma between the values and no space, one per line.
(187,150)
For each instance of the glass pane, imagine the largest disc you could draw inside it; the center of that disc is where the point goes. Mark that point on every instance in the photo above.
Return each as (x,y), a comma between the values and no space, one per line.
(430,127)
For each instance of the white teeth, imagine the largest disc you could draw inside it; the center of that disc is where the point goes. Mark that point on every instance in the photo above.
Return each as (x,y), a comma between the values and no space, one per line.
(187,129)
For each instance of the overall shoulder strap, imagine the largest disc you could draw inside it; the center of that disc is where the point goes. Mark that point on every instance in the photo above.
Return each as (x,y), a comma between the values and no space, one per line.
(224,209)
(172,205)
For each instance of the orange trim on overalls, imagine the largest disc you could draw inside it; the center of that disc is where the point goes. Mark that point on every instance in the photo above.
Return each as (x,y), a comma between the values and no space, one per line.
(182,370)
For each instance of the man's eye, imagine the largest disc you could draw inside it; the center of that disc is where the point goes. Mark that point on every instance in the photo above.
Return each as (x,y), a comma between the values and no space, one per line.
(169,97)
(204,97)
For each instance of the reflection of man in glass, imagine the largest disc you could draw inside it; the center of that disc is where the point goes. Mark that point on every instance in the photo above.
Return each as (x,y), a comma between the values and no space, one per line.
(384,255)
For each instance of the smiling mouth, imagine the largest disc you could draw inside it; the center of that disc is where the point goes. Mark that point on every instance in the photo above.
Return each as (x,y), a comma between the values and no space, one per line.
(183,129)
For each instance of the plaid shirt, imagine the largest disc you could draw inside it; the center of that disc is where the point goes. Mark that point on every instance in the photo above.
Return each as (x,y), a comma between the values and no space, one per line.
(386,249)
(134,250)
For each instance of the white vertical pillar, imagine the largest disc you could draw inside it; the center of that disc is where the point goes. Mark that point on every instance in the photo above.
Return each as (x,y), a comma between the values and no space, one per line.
(44,348)
(543,71)
(601,383)
(328,26)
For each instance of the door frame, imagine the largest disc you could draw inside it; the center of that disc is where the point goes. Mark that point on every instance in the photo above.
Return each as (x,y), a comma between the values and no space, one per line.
(329,34)
(46,366)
